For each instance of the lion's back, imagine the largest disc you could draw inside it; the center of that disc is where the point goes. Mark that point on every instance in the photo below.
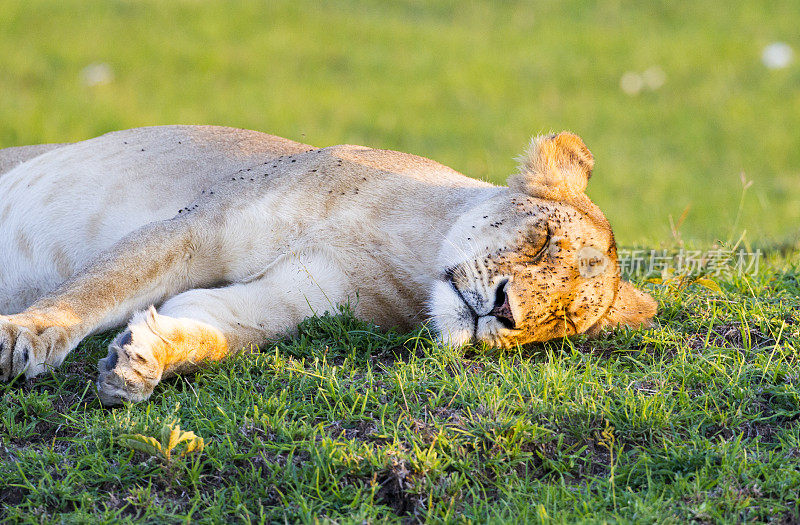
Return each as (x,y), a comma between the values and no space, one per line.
(12,157)
(60,205)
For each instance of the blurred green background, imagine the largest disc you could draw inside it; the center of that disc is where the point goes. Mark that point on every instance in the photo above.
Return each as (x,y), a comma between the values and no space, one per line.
(673,98)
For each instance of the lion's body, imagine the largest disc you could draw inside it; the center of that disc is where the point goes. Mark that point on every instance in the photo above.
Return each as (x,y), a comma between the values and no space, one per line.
(239,235)
(284,198)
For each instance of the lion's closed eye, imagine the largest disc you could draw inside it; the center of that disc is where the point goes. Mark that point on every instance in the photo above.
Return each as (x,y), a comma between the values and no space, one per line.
(538,240)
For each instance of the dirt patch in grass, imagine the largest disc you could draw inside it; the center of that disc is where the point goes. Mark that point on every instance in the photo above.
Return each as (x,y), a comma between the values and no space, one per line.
(395,483)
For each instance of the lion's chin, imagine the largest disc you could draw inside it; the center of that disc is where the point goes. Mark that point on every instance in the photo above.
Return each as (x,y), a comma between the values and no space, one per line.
(452,320)
(454,340)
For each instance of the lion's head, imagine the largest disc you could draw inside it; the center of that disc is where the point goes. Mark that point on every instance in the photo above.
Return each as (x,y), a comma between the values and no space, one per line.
(536,261)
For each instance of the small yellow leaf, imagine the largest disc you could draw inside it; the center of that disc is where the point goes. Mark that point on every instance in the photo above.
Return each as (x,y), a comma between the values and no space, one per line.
(708,283)
(171,437)
(196,443)
(174,437)
(145,444)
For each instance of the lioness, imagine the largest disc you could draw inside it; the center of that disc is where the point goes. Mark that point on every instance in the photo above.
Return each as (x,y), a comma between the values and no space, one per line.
(239,235)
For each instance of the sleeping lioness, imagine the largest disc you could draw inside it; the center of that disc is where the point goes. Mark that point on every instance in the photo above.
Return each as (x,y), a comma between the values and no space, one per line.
(238,236)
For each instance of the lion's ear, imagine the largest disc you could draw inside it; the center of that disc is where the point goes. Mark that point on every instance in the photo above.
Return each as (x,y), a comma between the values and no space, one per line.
(632,307)
(555,167)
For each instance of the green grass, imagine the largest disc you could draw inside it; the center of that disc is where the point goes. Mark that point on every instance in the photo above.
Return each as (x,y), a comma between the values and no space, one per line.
(465,83)
(695,419)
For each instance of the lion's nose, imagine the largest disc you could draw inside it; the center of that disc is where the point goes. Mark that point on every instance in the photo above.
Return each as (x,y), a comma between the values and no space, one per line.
(502,310)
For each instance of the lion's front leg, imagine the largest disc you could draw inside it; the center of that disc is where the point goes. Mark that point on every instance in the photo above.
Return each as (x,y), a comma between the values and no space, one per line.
(149,265)
(206,325)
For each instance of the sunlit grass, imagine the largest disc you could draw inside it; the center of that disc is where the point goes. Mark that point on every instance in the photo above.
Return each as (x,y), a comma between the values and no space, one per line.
(695,418)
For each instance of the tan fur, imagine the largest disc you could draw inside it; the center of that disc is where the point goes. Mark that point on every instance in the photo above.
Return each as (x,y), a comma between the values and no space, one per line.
(239,235)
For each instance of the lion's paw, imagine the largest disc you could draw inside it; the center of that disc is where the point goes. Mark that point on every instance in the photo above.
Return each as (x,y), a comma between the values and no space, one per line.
(23,350)
(129,372)
(153,347)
